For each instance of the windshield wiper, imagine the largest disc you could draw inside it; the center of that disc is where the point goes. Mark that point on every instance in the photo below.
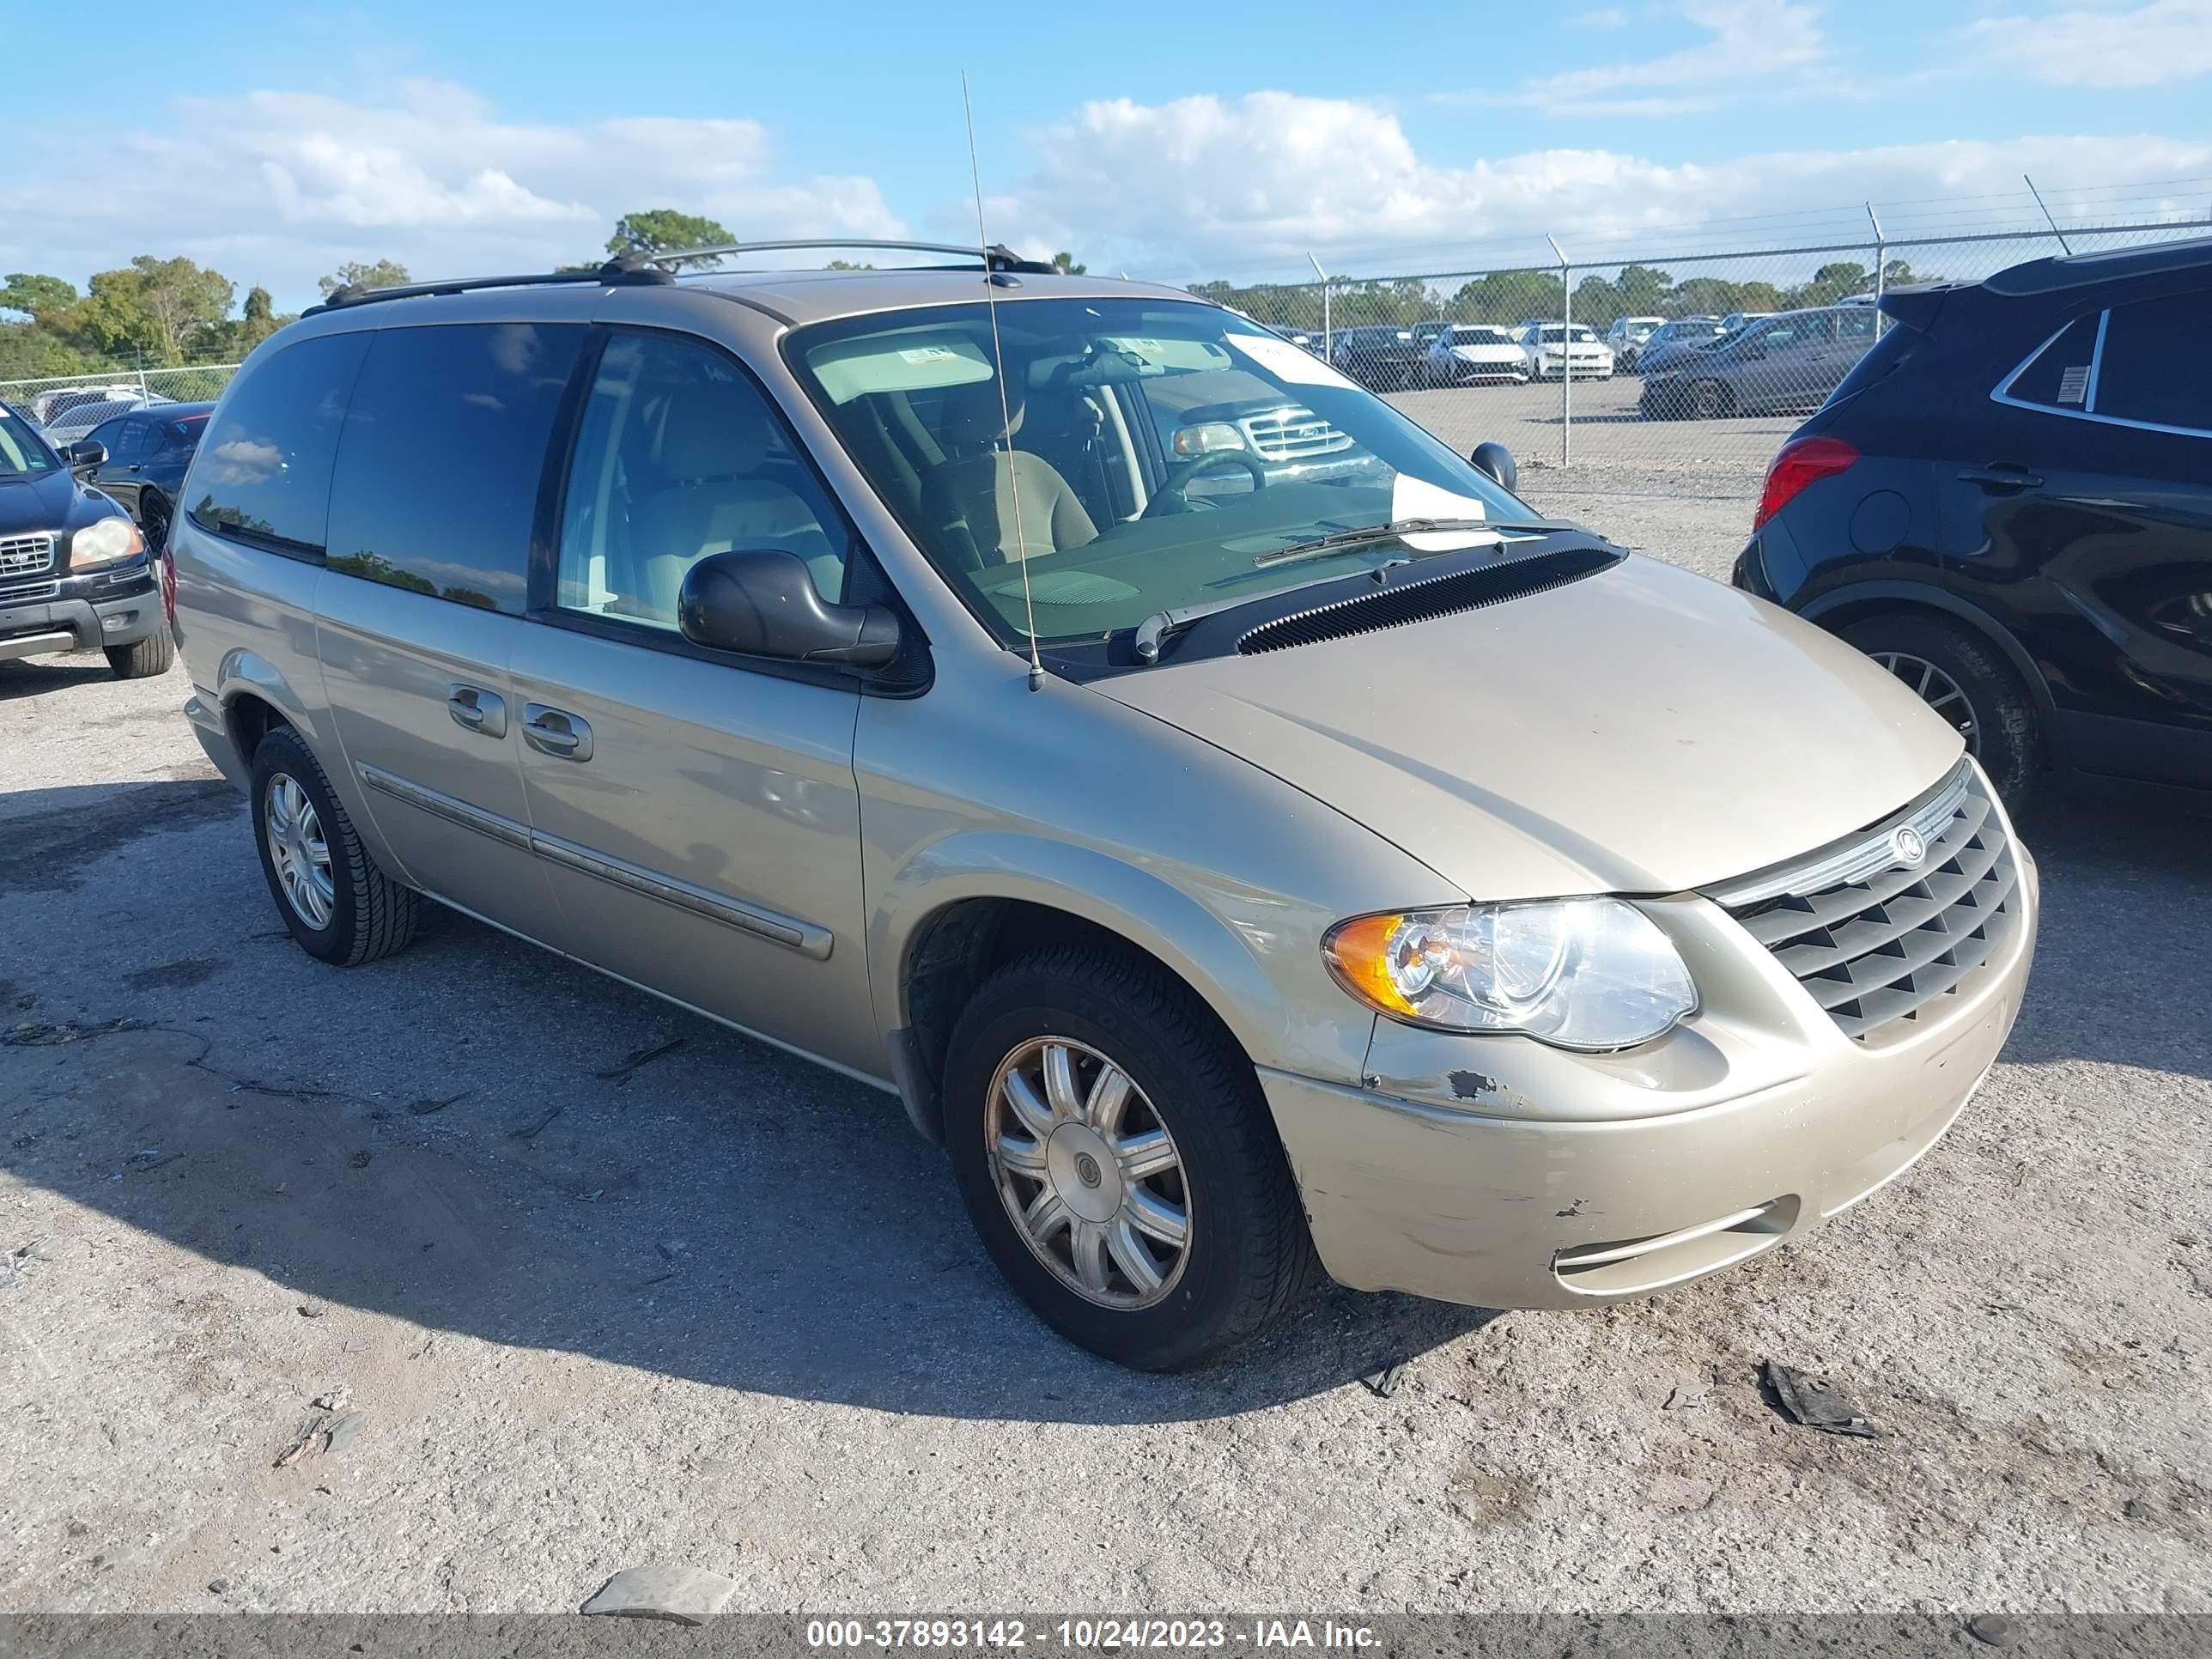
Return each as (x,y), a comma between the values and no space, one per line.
(1161,623)
(1372,532)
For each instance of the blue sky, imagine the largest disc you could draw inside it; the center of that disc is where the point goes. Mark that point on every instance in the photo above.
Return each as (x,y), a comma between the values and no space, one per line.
(1174,140)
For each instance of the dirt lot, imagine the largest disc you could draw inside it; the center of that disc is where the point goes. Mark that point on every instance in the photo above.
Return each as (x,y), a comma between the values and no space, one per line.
(721,1308)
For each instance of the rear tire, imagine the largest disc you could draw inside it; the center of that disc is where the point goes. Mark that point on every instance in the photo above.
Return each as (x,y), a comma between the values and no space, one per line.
(144,658)
(1245,1258)
(1954,671)
(348,911)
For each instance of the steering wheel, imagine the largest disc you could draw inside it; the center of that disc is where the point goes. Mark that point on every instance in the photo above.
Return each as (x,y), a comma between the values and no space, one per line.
(1169,498)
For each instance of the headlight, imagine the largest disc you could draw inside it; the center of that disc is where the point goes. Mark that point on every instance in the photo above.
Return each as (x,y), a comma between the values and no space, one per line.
(1585,973)
(1208,437)
(104,542)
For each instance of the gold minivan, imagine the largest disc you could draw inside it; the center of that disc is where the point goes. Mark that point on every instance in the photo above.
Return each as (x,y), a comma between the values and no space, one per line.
(1362,873)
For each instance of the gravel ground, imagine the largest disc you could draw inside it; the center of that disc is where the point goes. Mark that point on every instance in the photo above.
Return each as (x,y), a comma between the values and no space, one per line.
(722,1308)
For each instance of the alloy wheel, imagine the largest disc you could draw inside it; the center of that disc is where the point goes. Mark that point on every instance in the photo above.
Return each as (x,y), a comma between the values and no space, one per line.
(1938,690)
(298,849)
(1088,1173)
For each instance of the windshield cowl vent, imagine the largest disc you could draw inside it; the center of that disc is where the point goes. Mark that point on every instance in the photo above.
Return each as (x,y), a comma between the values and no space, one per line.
(1435,595)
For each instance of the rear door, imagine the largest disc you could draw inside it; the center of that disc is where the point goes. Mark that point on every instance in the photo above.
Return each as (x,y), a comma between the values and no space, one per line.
(2104,488)
(434,502)
(696,811)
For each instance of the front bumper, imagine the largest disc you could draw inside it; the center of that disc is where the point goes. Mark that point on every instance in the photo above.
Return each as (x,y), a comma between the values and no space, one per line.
(46,615)
(1500,1173)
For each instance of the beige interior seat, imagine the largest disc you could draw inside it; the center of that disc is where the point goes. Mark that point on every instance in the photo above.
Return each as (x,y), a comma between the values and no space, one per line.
(968,498)
(706,499)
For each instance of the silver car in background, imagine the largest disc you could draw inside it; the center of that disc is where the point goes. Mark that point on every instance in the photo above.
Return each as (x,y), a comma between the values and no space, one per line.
(1359,874)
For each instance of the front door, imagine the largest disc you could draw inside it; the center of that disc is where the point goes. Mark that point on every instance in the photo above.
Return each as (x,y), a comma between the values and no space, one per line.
(697,815)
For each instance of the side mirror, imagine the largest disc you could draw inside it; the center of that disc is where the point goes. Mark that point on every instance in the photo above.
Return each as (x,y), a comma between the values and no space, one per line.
(1497,460)
(84,455)
(764,603)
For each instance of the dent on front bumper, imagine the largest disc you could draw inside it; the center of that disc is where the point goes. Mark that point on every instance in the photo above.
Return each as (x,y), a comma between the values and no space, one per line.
(1497,1172)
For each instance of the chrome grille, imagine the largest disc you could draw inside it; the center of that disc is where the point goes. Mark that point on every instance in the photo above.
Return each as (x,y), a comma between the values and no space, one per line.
(26,555)
(1290,435)
(1877,940)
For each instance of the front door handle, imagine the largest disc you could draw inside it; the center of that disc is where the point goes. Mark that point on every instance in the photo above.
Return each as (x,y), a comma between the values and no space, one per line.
(2001,475)
(555,731)
(478,710)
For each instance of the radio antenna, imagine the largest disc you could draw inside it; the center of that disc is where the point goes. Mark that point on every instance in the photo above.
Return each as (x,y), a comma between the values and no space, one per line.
(1006,405)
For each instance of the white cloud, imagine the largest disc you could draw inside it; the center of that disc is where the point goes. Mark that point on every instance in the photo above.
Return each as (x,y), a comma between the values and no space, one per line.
(1748,42)
(2153,45)
(1210,187)
(277,187)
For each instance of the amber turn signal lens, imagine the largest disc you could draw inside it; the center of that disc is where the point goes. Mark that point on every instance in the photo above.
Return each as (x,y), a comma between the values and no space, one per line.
(1358,954)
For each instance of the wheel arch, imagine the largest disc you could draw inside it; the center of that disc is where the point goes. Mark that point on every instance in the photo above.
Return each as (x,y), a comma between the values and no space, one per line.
(975,902)
(1845,607)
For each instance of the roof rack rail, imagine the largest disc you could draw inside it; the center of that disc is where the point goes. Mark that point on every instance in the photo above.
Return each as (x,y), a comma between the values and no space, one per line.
(659,267)
(997,257)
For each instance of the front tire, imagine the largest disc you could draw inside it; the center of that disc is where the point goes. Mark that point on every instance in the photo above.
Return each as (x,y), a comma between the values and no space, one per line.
(1118,1160)
(337,902)
(1709,401)
(1964,679)
(143,659)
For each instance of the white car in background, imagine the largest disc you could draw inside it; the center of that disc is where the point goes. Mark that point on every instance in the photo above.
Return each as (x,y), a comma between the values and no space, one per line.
(1626,337)
(1465,354)
(1569,350)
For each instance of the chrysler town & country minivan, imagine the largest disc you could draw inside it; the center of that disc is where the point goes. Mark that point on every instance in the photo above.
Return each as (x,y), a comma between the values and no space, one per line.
(1362,874)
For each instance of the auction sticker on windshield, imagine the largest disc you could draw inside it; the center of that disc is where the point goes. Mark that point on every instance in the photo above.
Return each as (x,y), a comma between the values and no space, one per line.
(1286,362)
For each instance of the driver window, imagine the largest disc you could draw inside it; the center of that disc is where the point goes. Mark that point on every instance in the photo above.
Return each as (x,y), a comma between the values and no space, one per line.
(679,456)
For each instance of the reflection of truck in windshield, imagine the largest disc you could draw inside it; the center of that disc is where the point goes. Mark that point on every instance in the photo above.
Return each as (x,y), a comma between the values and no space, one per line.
(1207,410)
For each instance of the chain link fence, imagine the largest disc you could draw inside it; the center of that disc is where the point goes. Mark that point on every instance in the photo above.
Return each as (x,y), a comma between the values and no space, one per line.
(69,405)
(1672,376)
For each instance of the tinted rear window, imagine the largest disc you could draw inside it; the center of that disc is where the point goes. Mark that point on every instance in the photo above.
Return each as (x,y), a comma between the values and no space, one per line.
(2157,364)
(1881,361)
(445,447)
(262,471)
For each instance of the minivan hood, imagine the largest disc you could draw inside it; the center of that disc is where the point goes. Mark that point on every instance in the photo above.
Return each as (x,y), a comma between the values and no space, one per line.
(1640,731)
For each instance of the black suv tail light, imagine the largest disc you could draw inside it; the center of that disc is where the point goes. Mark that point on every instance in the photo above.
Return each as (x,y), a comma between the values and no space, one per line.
(1796,463)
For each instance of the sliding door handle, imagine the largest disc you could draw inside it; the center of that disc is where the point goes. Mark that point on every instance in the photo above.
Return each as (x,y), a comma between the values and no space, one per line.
(478,710)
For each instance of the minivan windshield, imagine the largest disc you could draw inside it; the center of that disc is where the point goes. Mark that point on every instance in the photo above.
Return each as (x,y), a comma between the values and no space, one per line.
(1138,456)
(23,453)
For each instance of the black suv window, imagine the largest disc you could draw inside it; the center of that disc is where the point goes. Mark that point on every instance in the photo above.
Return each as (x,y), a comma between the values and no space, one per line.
(263,474)
(445,447)
(2058,378)
(2157,362)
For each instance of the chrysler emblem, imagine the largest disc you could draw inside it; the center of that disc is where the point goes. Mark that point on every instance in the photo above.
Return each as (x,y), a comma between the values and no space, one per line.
(1906,844)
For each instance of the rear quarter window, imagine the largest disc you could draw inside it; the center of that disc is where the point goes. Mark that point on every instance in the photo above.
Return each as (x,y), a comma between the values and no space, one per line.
(263,472)
(444,450)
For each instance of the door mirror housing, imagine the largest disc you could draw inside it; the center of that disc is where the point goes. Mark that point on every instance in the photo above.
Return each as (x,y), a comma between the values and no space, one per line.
(763,602)
(84,455)
(1497,460)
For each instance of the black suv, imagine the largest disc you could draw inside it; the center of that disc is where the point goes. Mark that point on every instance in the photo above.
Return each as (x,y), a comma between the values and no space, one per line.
(2009,502)
(74,572)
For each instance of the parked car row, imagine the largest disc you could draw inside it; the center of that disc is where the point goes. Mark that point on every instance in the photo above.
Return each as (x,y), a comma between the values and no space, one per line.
(1387,358)
(1783,364)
